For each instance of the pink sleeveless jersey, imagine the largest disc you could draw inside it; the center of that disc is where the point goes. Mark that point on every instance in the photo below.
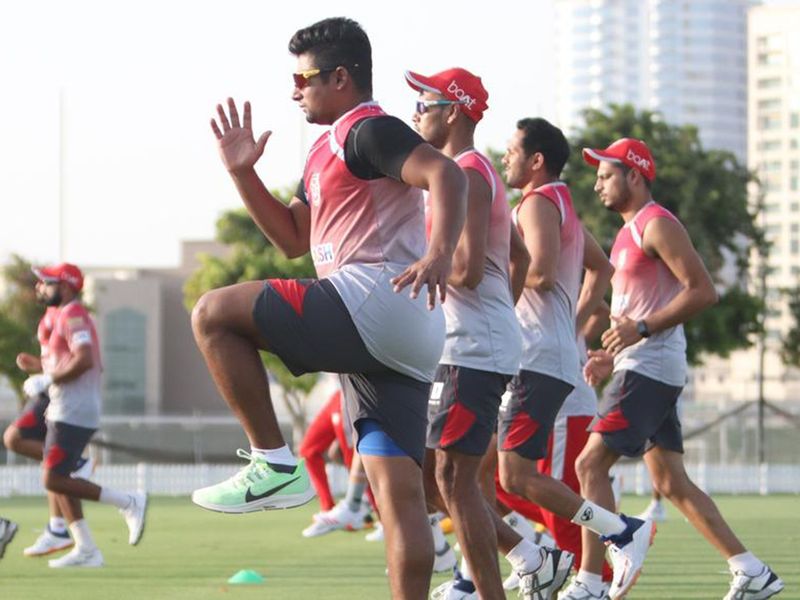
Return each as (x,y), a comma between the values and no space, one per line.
(76,402)
(482,329)
(46,325)
(641,286)
(363,233)
(547,318)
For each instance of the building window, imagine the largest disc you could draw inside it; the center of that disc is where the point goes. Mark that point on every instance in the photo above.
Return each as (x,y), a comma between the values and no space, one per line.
(795,120)
(767,123)
(794,246)
(794,206)
(771,208)
(793,183)
(769,83)
(124,349)
(769,145)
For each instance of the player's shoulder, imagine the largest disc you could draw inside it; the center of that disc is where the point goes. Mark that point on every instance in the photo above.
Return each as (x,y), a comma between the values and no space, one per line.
(73,314)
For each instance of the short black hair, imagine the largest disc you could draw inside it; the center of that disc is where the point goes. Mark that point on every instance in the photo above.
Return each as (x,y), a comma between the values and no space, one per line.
(539,135)
(335,42)
(626,169)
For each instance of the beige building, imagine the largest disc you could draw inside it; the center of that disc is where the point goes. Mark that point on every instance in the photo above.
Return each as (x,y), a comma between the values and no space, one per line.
(774,154)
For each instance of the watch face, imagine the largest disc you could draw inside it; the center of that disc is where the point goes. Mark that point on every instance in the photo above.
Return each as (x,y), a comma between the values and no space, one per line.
(641,327)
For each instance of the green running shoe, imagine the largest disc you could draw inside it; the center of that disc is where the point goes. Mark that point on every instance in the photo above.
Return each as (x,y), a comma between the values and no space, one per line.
(257,487)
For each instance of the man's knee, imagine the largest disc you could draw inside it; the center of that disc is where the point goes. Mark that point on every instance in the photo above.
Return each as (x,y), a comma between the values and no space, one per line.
(204,313)
(672,486)
(512,477)
(52,481)
(11,438)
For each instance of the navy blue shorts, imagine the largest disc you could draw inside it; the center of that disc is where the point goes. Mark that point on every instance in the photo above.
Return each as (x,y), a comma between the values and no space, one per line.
(31,423)
(462,408)
(64,446)
(307,325)
(527,420)
(637,413)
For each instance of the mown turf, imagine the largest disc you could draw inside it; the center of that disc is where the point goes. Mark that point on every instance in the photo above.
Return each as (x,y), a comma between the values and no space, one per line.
(188,553)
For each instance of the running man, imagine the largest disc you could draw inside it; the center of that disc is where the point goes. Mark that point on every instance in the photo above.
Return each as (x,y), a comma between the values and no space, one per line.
(72,379)
(551,305)
(482,347)
(660,282)
(358,210)
(26,435)
(567,439)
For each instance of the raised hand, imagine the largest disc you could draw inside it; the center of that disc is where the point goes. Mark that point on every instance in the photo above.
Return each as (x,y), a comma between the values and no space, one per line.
(237,147)
(432,271)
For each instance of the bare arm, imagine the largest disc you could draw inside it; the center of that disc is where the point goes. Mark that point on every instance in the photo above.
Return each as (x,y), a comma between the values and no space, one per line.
(29,363)
(668,240)
(596,279)
(446,183)
(540,222)
(287,227)
(79,361)
(519,261)
(469,259)
(597,323)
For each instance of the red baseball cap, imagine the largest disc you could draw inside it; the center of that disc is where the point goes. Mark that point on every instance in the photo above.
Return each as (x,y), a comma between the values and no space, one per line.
(66,272)
(454,84)
(628,151)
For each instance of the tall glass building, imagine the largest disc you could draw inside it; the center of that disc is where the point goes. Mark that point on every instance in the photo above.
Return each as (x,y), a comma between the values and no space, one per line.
(686,59)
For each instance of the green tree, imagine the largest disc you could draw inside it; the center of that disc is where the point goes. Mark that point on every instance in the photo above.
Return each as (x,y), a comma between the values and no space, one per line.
(706,189)
(790,346)
(19,317)
(253,258)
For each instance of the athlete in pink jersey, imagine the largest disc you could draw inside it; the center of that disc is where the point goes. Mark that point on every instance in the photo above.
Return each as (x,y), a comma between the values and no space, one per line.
(569,435)
(660,282)
(548,310)
(482,348)
(358,210)
(72,368)
(26,435)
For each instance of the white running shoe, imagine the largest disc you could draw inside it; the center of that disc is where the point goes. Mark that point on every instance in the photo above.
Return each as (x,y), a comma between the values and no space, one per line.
(8,529)
(627,552)
(544,582)
(339,517)
(85,469)
(655,511)
(457,588)
(444,559)
(754,587)
(48,543)
(78,558)
(578,591)
(376,535)
(135,515)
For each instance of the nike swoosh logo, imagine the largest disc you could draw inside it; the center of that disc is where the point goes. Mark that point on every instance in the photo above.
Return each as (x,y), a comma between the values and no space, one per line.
(249,496)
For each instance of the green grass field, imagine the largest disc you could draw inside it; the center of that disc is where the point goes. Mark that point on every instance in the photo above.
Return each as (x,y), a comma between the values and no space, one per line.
(190,553)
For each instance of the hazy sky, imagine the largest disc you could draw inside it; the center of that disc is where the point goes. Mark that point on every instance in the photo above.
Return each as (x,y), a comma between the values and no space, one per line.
(106,106)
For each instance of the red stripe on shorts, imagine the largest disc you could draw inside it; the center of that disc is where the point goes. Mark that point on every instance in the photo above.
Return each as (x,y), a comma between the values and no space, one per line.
(290,290)
(522,428)
(459,420)
(613,421)
(26,420)
(55,456)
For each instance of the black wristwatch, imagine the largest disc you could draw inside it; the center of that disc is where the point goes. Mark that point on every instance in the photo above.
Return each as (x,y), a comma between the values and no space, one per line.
(641,329)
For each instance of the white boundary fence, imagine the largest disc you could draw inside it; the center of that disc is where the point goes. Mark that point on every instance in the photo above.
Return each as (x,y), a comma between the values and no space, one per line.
(182,479)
